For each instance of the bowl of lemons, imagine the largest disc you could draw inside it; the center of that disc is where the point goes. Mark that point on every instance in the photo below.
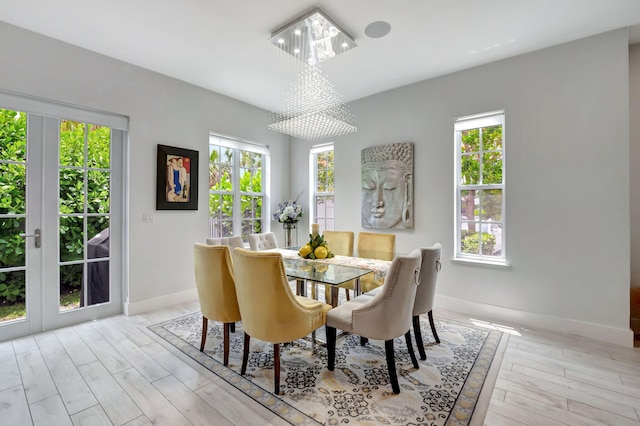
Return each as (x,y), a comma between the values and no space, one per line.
(316,248)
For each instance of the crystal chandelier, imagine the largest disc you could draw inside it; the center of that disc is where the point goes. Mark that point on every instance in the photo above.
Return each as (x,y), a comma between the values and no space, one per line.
(311,108)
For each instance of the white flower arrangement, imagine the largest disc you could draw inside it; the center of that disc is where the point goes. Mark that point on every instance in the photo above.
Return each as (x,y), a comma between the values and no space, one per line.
(288,212)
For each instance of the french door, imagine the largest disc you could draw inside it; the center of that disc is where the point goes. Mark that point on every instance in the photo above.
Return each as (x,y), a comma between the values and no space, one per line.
(61,219)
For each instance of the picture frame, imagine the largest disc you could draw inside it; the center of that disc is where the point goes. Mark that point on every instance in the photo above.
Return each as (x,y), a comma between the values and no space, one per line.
(177,179)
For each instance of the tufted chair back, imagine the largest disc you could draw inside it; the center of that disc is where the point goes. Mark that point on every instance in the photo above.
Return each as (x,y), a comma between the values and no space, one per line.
(270,311)
(216,289)
(340,242)
(232,242)
(385,316)
(264,241)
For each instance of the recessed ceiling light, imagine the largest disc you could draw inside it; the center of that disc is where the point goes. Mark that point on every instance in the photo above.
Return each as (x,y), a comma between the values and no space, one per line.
(377,29)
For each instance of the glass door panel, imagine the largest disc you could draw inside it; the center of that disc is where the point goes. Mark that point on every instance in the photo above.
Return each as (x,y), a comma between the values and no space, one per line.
(84,206)
(13,214)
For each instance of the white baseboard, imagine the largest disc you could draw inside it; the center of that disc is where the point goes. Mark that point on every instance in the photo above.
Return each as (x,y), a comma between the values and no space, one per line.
(511,317)
(134,308)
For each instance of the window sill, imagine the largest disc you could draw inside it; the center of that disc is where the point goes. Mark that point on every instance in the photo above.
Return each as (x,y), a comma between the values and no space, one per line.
(482,262)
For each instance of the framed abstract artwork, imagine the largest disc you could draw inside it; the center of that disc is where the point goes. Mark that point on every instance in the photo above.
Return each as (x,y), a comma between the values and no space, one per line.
(177,179)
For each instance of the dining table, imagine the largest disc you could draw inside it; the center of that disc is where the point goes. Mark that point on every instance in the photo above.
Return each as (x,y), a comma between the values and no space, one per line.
(330,272)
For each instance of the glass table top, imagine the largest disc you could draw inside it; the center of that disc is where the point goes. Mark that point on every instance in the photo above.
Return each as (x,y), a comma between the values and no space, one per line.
(327,273)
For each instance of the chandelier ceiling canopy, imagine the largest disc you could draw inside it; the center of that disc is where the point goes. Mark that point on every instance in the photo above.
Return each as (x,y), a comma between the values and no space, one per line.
(312,38)
(311,108)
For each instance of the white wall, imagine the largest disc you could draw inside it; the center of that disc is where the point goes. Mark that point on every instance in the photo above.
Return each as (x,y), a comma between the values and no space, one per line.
(162,110)
(567,182)
(634,156)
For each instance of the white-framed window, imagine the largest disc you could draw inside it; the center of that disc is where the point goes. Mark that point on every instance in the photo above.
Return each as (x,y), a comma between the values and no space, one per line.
(322,179)
(480,183)
(237,190)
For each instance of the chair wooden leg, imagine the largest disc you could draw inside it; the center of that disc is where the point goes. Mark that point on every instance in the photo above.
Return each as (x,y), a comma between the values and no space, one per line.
(418,334)
(433,327)
(276,368)
(391,366)
(331,346)
(414,360)
(233,327)
(225,343)
(205,324)
(346,290)
(245,354)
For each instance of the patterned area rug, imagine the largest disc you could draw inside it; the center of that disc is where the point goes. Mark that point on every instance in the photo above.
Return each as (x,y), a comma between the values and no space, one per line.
(443,391)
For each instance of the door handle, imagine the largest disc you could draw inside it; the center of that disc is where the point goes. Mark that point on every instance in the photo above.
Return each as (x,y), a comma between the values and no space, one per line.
(36,235)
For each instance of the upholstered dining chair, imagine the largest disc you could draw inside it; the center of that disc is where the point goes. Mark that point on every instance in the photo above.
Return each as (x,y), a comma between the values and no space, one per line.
(425,294)
(269,309)
(385,316)
(340,243)
(373,245)
(232,242)
(264,241)
(216,290)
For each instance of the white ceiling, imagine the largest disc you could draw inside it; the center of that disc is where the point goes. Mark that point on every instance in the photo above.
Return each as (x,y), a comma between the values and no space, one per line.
(222,45)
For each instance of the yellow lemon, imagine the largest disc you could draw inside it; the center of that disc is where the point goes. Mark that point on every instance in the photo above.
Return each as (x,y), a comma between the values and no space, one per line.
(321,252)
(305,250)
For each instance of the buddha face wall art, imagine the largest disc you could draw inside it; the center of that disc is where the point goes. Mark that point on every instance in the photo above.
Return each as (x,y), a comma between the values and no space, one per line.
(387,186)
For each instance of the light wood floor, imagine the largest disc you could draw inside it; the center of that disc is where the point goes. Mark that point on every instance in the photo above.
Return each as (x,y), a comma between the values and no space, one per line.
(114,371)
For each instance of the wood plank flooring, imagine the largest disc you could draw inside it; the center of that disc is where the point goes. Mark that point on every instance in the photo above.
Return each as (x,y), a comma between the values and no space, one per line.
(115,372)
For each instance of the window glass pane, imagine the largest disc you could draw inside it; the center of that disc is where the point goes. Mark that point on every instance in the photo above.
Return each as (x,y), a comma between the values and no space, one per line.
(71,191)
(13,135)
(71,277)
(468,203)
(72,143)
(98,237)
(97,282)
(99,139)
(226,228)
(492,138)
(226,156)
(71,238)
(491,205)
(12,245)
(12,188)
(246,204)
(256,160)
(98,191)
(12,299)
(470,169)
(469,238)
(215,201)
(226,210)
(470,141)
(492,167)
(257,207)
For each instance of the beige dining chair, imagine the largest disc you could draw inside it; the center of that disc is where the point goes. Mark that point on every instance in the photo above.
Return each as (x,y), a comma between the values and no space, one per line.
(373,245)
(263,241)
(269,309)
(232,242)
(340,243)
(216,290)
(426,293)
(385,316)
